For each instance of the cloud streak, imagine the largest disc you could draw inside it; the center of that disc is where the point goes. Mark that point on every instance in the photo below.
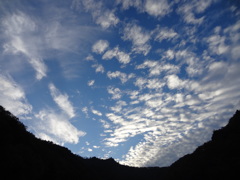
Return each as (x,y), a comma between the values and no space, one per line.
(62,101)
(13,97)
(20,40)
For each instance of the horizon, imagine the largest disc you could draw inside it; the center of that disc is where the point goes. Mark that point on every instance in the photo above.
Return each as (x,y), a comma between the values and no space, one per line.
(144,82)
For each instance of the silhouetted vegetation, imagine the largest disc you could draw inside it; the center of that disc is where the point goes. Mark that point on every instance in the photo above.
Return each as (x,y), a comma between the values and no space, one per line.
(23,156)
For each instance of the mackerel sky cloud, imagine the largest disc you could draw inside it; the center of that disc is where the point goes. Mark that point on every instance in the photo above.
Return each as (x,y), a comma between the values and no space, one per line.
(142,81)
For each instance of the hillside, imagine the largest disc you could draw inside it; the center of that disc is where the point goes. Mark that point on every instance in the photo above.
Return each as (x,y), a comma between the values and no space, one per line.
(27,157)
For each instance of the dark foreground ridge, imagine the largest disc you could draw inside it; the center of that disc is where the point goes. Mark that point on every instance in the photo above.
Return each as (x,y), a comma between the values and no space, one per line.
(23,156)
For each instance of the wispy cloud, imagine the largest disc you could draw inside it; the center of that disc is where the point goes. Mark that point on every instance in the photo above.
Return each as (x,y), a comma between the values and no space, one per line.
(98,68)
(56,127)
(191,9)
(62,101)
(96,112)
(100,46)
(164,33)
(115,92)
(139,37)
(101,14)
(12,97)
(121,56)
(152,7)
(122,76)
(22,40)
(91,82)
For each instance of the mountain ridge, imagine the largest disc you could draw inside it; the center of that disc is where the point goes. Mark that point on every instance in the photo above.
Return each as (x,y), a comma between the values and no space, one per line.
(27,157)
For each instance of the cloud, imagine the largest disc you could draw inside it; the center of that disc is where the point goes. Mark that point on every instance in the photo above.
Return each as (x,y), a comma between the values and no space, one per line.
(121,56)
(12,97)
(62,101)
(98,68)
(225,41)
(115,92)
(139,38)
(96,112)
(100,14)
(91,82)
(156,8)
(174,82)
(100,46)
(122,76)
(164,33)
(56,127)
(20,41)
(156,67)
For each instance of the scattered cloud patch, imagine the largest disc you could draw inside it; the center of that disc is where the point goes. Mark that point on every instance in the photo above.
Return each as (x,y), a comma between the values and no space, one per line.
(62,101)
(91,82)
(139,38)
(13,97)
(98,68)
(20,41)
(122,76)
(121,56)
(100,46)
(101,14)
(96,112)
(56,127)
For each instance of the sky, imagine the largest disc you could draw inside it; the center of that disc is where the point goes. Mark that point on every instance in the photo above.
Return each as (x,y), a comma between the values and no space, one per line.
(142,81)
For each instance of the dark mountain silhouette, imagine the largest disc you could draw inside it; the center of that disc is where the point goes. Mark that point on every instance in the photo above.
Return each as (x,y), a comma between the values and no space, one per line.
(23,156)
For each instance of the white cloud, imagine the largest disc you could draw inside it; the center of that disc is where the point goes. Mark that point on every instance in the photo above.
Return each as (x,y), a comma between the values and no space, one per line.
(96,112)
(56,127)
(100,46)
(122,76)
(105,124)
(101,15)
(225,41)
(12,97)
(191,9)
(89,150)
(23,41)
(107,19)
(140,82)
(121,56)
(118,107)
(156,67)
(217,44)
(115,92)
(139,37)
(157,8)
(126,4)
(164,33)
(62,101)
(174,82)
(98,68)
(91,82)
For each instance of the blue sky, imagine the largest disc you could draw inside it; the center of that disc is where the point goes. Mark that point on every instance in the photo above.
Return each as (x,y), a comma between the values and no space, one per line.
(142,81)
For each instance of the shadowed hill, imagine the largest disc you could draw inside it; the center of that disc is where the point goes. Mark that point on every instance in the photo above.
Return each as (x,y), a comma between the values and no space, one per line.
(26,157)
